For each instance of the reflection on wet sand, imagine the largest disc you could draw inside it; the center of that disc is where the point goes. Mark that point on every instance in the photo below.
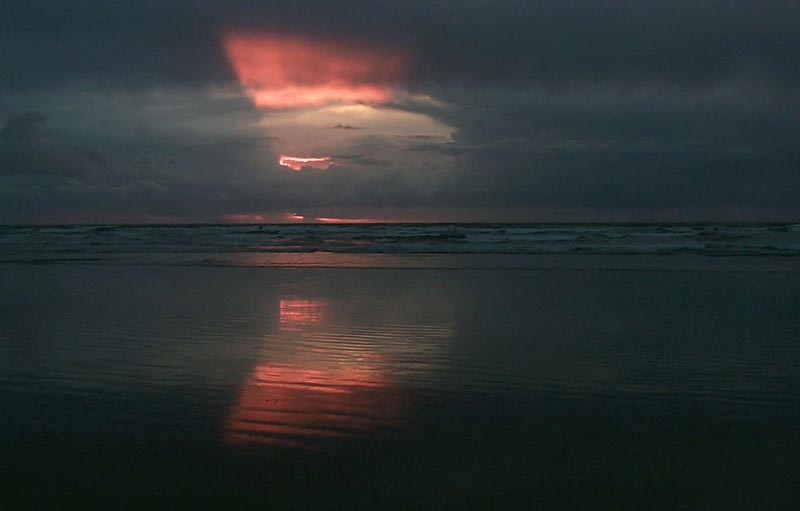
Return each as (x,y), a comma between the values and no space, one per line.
(317,381)
(296,314)
(292,406)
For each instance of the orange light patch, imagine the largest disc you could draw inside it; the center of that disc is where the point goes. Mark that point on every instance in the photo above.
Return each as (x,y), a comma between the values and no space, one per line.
(333,220)
(296,314)
(297,406)
(292,72)
(296,163)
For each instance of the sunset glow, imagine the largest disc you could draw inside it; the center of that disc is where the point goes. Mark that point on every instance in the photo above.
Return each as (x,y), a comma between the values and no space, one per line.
(244,218)
(280,72)
(296,163)
(334,220)
(261,218)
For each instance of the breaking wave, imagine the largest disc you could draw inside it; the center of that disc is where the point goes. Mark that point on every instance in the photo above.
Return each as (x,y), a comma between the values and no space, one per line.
(90,242)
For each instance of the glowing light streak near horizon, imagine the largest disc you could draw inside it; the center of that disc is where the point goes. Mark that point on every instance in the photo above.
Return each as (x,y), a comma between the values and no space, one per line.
(281,72)
(333,220)
(296,163)
(261,218)
(244,218)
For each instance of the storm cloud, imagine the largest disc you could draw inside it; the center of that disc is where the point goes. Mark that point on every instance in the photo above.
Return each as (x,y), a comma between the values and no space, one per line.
(568,110)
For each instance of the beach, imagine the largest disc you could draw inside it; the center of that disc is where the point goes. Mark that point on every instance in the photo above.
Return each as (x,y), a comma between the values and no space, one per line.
(400,255)
(627,385)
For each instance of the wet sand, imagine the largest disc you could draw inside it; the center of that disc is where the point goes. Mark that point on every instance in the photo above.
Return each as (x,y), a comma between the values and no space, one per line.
(672,386)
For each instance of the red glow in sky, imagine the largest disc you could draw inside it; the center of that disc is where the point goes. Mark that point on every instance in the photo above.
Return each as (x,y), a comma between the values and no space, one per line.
(296,163)
(244,218)
(337,220)
(261,218)
(294,72)
(333,220)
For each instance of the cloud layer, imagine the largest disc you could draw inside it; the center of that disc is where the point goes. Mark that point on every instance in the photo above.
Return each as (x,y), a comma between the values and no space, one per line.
(568,110)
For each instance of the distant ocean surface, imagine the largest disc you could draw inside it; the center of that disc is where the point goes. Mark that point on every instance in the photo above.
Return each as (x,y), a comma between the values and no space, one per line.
(203,244)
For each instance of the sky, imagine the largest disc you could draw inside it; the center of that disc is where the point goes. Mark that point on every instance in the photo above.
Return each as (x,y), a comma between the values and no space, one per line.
(387,110)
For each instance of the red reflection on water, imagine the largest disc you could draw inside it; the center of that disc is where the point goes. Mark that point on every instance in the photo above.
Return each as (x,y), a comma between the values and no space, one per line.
(317,389)
(291,405)
(298,314)
(281,71)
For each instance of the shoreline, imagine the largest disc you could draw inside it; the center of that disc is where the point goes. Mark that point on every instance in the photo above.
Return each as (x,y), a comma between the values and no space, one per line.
(493,262)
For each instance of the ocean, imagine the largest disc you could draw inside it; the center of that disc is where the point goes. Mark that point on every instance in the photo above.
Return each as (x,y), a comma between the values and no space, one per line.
(212,244)
(400,366)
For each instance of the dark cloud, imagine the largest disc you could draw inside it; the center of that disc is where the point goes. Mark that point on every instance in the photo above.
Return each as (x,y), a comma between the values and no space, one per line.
(631,108)
(716,150)
(22,126)
(340,126)
(521,42)
(188,176)
(360,159)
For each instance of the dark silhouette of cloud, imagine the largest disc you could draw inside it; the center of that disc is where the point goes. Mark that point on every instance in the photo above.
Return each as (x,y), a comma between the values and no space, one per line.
(340,126)
(519,42)
(22,126)
(607,109)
